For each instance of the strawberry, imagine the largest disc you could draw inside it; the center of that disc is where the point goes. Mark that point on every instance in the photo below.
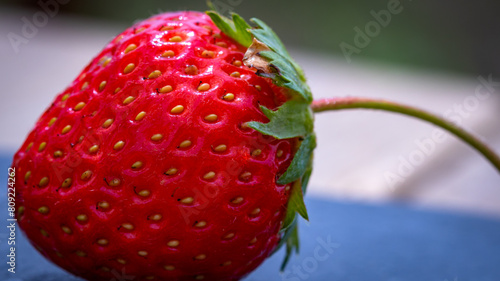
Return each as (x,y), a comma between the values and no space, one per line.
(180,152)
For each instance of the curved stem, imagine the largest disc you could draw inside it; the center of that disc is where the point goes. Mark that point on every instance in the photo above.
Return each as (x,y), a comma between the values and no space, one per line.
(353,102)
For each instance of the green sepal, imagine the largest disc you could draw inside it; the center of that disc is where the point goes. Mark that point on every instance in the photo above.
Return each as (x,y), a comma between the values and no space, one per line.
(287,72)
(292,244)
(237,28)
(292,119)
(296,201)
(301,162)
(286,75)
(267,36)
(295,205)
(307,175)
(286,234)
(290,225)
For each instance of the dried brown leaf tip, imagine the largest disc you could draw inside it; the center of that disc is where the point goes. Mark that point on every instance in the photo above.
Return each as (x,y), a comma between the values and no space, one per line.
(253,59)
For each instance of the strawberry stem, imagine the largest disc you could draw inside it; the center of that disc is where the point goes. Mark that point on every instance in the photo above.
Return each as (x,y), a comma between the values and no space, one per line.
(368,103)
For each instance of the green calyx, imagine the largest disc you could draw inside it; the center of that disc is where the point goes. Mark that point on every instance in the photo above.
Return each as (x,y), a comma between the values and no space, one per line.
(293,119)
(235,28)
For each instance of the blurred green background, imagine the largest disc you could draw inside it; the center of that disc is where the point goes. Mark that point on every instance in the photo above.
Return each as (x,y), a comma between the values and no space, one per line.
(448,35)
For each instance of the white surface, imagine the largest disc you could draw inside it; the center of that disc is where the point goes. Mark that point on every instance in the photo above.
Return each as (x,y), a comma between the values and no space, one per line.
(355,148)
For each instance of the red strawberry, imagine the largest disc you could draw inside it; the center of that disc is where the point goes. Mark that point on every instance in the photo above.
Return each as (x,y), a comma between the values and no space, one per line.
(146,164)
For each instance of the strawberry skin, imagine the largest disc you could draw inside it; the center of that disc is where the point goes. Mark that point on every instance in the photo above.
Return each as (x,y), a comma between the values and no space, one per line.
(144,166)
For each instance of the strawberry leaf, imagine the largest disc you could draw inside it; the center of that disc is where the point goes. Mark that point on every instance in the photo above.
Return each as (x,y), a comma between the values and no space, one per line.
(286,75)
(292,243)
(301,162)
(267,36)
(307,175)
(292,119)
(290,227)
(295,205)
(296,202)
(287,232)
(237,28)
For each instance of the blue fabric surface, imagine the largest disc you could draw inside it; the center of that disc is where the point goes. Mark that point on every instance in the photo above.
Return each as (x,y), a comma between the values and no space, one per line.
(343,241)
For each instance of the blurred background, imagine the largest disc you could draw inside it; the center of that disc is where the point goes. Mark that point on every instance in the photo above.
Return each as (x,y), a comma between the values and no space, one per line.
(456,36)
(439,55)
